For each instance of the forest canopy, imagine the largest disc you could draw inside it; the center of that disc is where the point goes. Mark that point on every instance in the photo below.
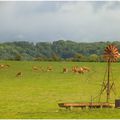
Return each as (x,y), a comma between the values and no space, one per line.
(55,51)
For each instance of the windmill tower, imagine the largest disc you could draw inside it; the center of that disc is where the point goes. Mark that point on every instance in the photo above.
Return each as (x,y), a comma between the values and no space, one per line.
(111,54)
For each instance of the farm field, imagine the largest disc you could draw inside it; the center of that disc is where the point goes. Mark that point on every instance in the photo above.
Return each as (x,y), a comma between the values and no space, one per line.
(36,94)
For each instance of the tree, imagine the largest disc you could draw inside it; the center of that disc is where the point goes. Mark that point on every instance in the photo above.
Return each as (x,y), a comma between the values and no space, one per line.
(18,57)
(55,57)
(79,57)
(93,58)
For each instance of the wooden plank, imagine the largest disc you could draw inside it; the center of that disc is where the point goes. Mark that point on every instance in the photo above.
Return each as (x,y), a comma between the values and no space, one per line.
(89,104)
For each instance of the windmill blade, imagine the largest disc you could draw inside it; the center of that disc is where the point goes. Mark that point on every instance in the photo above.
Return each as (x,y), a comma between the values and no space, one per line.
(111,53)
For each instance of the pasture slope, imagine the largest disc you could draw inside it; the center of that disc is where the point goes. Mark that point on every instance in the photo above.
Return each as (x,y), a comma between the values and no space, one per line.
(35,94)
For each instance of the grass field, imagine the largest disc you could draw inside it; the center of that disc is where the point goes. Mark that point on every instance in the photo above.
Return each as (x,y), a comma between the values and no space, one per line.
(36,94)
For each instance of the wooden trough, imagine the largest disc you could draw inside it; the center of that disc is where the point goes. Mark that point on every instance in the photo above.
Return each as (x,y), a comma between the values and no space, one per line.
(86,105)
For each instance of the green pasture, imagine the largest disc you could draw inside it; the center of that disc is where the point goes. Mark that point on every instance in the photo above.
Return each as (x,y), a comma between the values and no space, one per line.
(36,94)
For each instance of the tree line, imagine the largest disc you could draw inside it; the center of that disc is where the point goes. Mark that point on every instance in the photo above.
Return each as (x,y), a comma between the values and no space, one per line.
(56,51)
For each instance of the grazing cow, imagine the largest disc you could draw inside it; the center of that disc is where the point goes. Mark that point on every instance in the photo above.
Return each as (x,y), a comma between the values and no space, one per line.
(35,68)
(75,69)
(86,69)
(19,74)
(7,65)
(49,68)
(65,70)
(81,70)
(2,66)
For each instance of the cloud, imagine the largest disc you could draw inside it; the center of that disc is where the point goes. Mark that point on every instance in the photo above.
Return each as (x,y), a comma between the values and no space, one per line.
(49,21)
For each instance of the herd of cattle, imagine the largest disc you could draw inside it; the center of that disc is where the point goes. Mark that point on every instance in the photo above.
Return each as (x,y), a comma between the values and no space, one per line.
(4,65)
(74,69)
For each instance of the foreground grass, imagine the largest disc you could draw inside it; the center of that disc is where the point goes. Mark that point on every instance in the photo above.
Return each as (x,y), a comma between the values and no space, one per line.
(36,94)
(96,113)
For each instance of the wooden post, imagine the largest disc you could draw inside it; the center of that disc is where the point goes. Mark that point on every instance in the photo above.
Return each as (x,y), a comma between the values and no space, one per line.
(108,83)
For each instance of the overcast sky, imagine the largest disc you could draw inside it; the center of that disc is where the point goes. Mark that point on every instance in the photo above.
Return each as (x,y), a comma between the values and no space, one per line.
(50,21)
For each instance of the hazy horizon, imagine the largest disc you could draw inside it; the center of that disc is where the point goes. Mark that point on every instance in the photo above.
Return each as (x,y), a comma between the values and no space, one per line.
(48,21)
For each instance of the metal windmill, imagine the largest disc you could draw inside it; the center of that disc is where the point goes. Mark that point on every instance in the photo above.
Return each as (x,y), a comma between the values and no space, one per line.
(111,54)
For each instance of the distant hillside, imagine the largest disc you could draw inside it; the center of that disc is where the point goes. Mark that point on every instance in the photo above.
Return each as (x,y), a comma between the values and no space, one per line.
(58,50)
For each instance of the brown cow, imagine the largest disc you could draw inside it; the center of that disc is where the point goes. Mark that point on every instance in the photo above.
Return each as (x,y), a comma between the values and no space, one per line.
(7,65)
(75,69)
(35,68)
(86,69)
(81,70)
(65,70)
(49,68)
(2,65)
(19,74)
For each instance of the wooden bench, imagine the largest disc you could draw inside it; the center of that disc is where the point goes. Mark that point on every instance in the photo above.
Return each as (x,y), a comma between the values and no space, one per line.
(86,105)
